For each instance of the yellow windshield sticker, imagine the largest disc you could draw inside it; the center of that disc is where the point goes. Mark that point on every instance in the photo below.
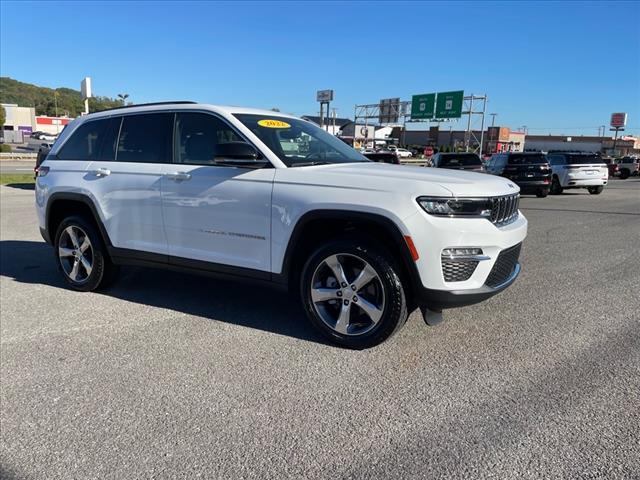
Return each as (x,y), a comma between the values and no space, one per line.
(273,124)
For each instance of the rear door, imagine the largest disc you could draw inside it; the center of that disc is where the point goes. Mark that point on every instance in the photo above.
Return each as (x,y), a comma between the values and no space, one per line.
(126,179)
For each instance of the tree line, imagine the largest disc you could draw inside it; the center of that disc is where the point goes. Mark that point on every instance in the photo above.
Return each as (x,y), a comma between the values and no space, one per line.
(49,101)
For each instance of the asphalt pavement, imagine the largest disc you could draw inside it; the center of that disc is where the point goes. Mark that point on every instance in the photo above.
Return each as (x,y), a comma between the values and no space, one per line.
(174,376)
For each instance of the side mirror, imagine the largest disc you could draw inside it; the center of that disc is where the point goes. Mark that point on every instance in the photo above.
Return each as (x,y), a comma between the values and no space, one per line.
(239,154)
(236,151)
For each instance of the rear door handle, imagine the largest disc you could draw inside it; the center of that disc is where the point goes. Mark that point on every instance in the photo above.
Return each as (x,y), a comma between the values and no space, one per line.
(178,176)
(101,172)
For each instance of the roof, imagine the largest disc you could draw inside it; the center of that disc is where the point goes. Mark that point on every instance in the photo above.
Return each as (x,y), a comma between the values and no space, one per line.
(184,105)
(340,122)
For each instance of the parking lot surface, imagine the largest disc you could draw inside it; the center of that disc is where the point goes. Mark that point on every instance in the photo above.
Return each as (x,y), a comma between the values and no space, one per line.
(174,376)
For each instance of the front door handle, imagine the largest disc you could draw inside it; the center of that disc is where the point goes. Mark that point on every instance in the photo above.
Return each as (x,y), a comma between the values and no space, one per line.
(101,172)
(178,176)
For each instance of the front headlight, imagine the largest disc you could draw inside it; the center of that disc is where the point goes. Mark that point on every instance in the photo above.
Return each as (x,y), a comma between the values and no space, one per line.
(456,207)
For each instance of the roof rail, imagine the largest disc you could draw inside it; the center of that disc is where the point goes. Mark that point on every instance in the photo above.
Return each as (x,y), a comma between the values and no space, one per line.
(179,102)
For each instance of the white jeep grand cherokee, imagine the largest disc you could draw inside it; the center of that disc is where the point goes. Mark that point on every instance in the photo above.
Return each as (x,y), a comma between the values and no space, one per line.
(237,192)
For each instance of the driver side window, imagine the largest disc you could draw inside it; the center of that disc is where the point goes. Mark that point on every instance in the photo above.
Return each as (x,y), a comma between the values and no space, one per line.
(198,136)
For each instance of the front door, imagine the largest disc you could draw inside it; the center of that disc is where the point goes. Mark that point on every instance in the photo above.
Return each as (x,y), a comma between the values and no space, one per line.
(212,213)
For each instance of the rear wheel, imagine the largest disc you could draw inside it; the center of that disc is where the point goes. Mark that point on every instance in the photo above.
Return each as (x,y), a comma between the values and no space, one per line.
(624,174)
(595,190)
(352,293)
(556,188)
(81,255)
(543,192)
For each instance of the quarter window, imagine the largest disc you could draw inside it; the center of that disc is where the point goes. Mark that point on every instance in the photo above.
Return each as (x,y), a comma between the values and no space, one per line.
(85,142)
(146,138)
(198,136)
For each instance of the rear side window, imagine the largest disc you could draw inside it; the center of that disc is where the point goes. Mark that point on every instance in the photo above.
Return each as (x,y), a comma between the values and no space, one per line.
(146,138)
(85,142)
(527,159)
(198,136)
(466,160)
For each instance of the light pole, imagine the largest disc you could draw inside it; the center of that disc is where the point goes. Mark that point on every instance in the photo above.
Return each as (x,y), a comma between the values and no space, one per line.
(493,119)
(123,97)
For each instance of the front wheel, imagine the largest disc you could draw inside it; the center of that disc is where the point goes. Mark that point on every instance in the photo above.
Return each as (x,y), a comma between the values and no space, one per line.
(352,293)
(556,188)
(595,190)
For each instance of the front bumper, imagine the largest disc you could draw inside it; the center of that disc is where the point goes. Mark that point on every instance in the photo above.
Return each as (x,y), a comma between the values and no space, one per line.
(443,299)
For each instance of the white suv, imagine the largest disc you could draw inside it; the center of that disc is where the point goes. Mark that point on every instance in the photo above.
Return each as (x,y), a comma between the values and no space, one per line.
(577,170)
(243,193)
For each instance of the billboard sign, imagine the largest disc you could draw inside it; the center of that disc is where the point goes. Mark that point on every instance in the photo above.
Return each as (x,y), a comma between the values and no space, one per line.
(389,110)
(498,134)
(85,88)
(324,96)
(618,120)
(422,106)
(449,104)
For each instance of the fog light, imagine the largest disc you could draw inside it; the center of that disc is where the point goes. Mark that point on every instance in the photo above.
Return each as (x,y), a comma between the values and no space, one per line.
(461,252)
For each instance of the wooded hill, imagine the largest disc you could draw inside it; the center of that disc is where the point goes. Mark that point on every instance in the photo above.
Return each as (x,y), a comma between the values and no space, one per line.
(44,99)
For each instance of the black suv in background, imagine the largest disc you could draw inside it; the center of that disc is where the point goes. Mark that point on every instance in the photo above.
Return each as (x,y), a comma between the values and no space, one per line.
(530,171)
(458,161)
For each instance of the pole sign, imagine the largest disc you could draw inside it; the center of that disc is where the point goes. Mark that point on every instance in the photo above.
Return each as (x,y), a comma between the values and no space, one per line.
(324,96)
(422,106)
(389,110)
(618,120)
(449,104)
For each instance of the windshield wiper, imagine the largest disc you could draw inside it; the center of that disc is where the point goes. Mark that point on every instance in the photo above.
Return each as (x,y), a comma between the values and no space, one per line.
(309,164)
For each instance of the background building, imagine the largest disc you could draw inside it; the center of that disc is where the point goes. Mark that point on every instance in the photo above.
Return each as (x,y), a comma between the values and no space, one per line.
(19,118)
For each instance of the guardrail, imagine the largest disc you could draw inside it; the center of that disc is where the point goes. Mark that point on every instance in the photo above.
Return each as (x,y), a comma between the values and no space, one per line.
(18,156)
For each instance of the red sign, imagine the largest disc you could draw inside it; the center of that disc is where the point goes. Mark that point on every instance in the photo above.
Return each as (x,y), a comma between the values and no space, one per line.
(52,120)
(618,120)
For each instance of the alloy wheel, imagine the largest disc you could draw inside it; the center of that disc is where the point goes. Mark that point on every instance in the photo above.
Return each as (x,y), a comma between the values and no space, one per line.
(347,294)
(75,253)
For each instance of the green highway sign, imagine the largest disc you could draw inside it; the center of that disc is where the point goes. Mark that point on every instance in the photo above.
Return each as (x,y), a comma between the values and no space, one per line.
(448,104)
(422,106)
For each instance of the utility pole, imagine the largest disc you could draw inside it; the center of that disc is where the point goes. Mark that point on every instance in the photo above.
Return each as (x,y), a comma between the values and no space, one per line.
(55,100)
(334,119)
(524,129)
(493,119)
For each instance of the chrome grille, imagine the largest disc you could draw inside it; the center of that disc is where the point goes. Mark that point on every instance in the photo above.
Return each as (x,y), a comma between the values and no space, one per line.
(458,270)
(504,209)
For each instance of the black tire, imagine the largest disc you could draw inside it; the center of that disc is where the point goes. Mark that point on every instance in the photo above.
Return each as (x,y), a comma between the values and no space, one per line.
(103,271)
(624,174)
(595,190)
(543,192)
(391,295)
(556,188)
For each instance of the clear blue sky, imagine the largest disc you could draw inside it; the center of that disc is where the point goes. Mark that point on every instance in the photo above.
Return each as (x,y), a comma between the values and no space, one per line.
(555,67)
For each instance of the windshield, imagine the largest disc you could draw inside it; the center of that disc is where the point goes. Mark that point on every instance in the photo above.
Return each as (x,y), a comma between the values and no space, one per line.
(583,159)
(464,159)
(527,159)
(299,143)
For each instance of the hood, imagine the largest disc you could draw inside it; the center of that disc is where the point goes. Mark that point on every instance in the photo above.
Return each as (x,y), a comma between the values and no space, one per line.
(400,178)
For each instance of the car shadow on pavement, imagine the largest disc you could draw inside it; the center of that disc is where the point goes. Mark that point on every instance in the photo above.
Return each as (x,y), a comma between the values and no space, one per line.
(22,186)
(244,304)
